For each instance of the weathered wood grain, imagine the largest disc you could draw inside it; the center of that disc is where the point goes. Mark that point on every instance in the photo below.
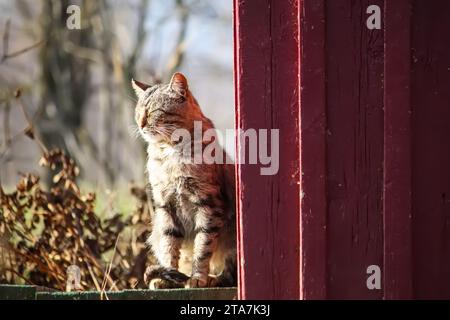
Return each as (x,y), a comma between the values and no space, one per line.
(266,48)
(354,148)
(313,202)
(397,152)
(430,104)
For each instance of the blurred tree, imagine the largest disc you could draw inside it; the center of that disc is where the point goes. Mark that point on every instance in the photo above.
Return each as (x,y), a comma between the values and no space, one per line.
(77,82)
(65,79)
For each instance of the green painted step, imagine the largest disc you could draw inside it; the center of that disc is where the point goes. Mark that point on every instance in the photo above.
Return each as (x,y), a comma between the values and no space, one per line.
(8,292)
(14,292)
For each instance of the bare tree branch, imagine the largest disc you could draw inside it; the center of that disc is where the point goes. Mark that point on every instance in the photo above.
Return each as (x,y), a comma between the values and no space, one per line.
(29,131)
(6,55)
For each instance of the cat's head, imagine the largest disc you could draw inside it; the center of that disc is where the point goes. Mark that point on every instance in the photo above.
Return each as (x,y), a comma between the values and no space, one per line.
(162,108)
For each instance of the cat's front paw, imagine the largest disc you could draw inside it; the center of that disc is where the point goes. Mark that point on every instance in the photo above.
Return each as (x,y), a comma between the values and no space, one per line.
(156,284)
(158,277)
(201,282)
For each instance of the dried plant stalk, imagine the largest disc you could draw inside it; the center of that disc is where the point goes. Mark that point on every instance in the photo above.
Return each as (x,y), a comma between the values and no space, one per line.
(43,232)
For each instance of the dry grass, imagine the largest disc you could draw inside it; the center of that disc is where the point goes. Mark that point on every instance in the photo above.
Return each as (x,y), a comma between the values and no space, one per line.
(43,232)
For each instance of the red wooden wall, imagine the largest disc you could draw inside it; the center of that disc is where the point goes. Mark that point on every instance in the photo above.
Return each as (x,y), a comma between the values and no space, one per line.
(266,72)
(430,105)
(364,119)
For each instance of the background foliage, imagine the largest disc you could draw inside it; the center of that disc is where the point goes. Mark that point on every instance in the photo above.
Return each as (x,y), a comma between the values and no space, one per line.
(66,104)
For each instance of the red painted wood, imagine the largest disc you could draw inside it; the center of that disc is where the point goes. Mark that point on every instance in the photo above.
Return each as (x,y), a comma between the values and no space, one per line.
(397,152)
(266,44)
(354,148)
(430,99)
(312,150)
(240,264)
(369,131)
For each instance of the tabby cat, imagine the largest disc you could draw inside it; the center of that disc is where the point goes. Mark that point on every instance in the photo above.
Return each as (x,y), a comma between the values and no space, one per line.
(193,229)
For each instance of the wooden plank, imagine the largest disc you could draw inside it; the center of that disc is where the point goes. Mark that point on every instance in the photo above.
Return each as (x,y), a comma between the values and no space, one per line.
(266,49)
(139,294)
(397,152)
(354,148)
(17,292)
(430,98)
(241,283)
(312,150)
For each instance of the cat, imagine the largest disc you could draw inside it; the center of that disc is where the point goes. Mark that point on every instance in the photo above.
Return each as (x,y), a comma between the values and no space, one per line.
(194,204)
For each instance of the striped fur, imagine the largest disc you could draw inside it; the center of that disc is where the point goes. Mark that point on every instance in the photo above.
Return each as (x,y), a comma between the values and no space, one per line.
(193,228)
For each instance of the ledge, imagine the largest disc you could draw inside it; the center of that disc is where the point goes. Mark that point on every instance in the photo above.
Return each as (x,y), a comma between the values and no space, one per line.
(13,292)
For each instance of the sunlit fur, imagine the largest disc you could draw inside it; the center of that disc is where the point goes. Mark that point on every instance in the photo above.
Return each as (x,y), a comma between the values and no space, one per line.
(194,203)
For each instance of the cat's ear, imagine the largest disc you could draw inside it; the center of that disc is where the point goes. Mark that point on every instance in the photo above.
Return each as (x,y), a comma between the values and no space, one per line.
(139,87)
(179,84)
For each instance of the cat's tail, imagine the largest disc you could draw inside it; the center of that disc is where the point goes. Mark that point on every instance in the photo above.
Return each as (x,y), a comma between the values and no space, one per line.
(158,277)
(228,277)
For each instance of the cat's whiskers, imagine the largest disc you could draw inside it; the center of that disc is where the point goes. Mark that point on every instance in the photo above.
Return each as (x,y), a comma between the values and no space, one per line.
(132,98)
(134,131)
